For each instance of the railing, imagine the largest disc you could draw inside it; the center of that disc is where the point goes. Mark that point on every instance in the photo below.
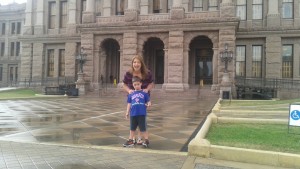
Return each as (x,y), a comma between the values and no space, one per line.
(273,83)
(48,81)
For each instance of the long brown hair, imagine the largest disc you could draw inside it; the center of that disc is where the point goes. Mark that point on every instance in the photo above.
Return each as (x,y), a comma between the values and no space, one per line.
(144,69)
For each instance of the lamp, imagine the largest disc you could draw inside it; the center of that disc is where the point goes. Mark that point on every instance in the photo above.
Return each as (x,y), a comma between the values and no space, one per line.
(81,59)
(226,56)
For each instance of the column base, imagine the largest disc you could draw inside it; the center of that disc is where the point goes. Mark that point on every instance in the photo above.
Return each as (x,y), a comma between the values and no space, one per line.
(175,87)
(273,20)
(28,30)
(39,30)
(131,15)
(71,29)
(227,10)
(88,17)
(177,13)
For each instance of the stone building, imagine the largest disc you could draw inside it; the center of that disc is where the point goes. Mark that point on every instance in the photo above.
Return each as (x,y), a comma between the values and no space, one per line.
(11,22)
(182,41)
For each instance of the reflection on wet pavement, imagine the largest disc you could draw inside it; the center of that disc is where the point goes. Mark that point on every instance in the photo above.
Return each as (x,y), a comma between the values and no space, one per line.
(99,121)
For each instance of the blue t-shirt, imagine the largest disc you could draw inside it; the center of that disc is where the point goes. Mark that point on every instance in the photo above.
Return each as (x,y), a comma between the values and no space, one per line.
(138,99)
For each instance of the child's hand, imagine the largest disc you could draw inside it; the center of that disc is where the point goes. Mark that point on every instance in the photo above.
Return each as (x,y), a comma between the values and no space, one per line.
(148,104)
(126,115)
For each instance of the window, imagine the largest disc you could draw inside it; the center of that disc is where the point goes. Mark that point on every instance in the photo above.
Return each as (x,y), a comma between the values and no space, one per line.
(198,5)
(62,63)
(256,61)
(156,6)
(17,48)
(287,61)
(83,8)
(287,9)
(18,27)
(120,7)
(2,49)
(13,28)
(257,8)
(12,48)
(241,9)
(50,72)
(170,4)
(212,5)
(1,73)
(3,29)
(52,15)
(240,65)
(11,74)
(63,14)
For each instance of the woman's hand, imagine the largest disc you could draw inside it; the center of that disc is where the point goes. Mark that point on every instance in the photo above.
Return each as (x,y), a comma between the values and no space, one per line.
(130,91)
(145,90)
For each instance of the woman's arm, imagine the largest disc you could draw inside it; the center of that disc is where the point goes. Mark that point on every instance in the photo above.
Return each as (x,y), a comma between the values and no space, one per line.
(127,89)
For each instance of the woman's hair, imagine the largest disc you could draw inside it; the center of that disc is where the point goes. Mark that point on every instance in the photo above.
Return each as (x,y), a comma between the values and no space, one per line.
(144,69)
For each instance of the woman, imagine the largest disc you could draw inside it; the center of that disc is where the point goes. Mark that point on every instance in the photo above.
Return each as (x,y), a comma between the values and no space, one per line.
(138,68)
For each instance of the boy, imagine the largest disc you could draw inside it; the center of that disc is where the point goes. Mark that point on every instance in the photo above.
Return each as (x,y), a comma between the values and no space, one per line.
(136,107)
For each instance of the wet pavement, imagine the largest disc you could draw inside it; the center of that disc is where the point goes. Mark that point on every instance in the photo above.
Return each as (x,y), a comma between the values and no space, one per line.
(99,121)
(88,133)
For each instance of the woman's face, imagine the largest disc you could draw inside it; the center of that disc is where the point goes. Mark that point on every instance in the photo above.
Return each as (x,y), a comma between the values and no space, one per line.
(136,65)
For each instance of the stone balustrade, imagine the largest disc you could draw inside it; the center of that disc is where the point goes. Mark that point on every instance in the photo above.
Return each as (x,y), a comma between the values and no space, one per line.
(160,17)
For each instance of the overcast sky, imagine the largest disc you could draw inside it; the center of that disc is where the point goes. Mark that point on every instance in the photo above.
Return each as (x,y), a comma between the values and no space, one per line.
(5,2)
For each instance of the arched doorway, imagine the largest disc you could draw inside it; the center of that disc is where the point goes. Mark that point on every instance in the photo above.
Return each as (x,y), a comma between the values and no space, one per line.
(154,56)
(200,60)
(110,62)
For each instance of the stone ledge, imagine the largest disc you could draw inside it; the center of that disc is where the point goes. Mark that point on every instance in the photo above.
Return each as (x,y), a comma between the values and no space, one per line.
(202,148)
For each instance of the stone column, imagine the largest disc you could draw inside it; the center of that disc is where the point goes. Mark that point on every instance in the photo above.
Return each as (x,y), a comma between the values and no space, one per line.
(71,26)
(227,8)
(215,69)
(38,71)
(131,13)
(273,57)
(89,14)
(107,8)
(175,63)
(39,25)
(70,56)
(26,60)
(144,7)
(273,17)
(28,30)
(177,11)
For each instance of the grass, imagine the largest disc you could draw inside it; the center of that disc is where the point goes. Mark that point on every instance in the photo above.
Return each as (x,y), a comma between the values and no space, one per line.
(271,137)
(17,93)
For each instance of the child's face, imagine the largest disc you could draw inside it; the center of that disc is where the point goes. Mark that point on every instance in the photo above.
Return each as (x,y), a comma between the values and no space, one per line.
(137,85)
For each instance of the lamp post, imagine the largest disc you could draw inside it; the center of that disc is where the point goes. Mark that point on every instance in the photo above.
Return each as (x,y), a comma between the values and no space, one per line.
(81,59)
(226,56)
(226,85)
(81,83)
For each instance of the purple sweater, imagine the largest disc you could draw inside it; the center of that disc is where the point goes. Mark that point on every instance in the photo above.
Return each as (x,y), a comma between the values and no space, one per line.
(145,82)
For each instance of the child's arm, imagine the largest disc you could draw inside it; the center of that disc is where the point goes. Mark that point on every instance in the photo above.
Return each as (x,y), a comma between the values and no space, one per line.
(127,110)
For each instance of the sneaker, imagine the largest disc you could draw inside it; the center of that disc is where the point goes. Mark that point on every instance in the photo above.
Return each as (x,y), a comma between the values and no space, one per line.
(139,142)
(128,143)
(146,143)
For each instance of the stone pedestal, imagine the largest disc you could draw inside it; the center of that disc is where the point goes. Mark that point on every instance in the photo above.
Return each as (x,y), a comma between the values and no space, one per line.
(81,84)
(225,88)
(173,87)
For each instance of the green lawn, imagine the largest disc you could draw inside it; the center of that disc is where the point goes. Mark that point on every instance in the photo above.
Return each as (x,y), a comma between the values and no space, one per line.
(17,93)
(259,136)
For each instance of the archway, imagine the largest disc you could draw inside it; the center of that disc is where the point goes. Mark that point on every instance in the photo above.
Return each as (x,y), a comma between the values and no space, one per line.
(154,56)
(200,60)
(111,61)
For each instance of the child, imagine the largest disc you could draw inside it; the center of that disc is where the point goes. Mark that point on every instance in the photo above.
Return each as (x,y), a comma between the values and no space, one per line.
(137,103)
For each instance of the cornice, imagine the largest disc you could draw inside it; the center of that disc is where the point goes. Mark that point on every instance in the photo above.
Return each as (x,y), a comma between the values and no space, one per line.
(50,38)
